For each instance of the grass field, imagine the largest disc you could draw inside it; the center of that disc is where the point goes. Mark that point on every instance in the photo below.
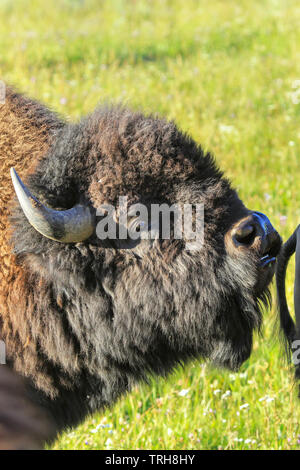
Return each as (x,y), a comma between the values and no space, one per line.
(224,71)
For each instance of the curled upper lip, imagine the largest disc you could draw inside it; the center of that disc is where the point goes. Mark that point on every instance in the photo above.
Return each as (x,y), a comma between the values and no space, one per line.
(267,259)
(270,256)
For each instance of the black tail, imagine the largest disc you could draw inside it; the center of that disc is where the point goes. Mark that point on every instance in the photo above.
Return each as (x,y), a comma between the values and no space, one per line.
(286,322)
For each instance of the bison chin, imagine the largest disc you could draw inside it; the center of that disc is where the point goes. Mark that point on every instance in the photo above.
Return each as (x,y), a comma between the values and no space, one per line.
(235,348)
(241,315)
(230,355)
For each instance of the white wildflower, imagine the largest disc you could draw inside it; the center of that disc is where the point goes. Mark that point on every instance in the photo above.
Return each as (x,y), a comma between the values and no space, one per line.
(226,394)
(108,442)
(269,399)
(184,392)
(262,398)
(266,398)
(225,129)
(244,406)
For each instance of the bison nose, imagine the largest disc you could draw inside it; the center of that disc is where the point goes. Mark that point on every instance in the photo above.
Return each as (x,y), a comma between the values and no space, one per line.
(256,232)
(244,233)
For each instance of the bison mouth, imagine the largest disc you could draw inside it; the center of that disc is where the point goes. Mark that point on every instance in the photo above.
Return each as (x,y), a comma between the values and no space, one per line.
(267,265)
(266,271)
(267,261)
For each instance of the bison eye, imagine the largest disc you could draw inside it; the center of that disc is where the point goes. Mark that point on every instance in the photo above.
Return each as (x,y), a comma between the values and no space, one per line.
(137,239)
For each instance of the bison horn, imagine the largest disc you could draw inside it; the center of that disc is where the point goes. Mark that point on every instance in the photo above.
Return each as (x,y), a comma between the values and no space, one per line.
(69,226)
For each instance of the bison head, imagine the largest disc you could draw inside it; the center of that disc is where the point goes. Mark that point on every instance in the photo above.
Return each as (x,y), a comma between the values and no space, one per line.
(128,309)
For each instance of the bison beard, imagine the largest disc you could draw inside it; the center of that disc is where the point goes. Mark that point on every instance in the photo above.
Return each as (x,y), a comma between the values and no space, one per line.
(83,322)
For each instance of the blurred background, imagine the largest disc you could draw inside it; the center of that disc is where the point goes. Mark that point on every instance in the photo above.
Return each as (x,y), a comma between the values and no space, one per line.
(228,73)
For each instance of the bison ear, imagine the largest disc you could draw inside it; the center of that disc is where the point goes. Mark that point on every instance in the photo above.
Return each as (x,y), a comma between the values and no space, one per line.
(69,226)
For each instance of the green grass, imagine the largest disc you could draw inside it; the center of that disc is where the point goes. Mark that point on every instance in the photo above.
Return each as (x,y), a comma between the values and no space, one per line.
(224,71)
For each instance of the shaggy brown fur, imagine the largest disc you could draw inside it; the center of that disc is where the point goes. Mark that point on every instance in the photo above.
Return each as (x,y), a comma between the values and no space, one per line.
(84,322)
(21,424)
(26,130)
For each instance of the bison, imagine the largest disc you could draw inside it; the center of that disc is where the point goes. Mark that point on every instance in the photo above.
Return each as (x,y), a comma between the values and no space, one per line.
(23,424)
(83,318)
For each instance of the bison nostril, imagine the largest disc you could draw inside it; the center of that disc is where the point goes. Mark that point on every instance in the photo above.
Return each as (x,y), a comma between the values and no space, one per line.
(245,234)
